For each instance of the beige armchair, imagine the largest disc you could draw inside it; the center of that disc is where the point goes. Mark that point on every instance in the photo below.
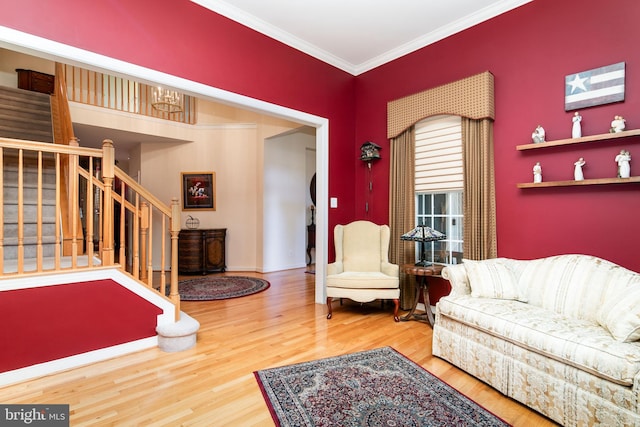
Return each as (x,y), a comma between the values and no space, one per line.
(362,271)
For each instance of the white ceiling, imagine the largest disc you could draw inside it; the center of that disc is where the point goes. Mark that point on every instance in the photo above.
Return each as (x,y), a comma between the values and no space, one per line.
(359,35)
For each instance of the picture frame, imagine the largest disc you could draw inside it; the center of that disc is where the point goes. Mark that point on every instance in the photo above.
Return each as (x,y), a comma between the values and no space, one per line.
(603,85)
(198,191)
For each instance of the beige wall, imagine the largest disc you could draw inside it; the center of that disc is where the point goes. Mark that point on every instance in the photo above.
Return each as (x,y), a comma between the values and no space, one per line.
(10,60)
(226,141)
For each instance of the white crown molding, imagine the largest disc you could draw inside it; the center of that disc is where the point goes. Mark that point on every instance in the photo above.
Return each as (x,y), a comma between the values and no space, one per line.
(253,22)
(261,26)
(440,34)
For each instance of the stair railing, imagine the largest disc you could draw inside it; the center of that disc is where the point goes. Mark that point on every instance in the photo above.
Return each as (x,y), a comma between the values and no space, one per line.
(91,173)
(63,135)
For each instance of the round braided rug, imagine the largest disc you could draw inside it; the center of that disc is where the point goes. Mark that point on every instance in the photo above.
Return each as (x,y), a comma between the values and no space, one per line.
(217,288)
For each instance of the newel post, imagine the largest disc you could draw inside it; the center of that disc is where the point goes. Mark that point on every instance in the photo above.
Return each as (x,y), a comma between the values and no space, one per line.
(144,235)
(175,230)
(108,171)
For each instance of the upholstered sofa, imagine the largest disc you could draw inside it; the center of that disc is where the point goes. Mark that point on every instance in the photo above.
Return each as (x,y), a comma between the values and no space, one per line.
(558,334)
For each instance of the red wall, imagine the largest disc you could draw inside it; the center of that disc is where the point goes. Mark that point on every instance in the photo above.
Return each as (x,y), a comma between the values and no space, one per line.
(529,50)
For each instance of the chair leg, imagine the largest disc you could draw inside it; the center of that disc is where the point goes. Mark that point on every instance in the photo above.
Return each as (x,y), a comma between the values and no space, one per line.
(396,303)
(330,313)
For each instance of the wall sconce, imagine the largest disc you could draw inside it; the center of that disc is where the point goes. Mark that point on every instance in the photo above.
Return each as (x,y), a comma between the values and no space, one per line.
(368,153)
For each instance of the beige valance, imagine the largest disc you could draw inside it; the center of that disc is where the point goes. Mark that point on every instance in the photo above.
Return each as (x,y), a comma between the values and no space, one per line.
(471,97)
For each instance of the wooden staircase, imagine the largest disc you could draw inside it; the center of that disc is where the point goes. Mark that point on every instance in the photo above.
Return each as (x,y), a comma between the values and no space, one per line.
(25,115)
(47,186)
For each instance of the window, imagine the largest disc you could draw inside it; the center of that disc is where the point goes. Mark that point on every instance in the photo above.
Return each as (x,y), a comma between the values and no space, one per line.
(442,211)
(439,185)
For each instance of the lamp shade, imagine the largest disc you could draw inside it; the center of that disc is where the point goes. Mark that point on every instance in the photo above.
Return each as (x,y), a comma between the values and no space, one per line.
(422,233)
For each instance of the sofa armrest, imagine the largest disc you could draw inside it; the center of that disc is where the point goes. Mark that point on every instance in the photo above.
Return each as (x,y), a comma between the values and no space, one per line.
(389,269)
(456,274)
(335,268)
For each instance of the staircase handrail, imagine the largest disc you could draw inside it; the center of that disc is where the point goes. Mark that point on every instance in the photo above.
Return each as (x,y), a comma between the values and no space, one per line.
(63,135)
(47,147)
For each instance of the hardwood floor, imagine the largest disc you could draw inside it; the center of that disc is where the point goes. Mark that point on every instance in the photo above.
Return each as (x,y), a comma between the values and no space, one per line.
(213,383)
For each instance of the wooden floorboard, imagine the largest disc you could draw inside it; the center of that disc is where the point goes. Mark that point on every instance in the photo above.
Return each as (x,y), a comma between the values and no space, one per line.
(213,383)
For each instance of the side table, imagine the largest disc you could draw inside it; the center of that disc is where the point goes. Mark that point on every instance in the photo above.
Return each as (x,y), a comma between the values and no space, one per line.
(422,286)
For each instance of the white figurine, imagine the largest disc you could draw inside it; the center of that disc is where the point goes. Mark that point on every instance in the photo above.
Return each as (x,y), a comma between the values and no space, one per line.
(618,124)
(537,173)
(576,130)
(538,135)
(624,168)
(577,171)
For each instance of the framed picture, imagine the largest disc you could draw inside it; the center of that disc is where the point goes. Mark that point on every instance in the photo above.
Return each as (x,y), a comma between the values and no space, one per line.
(599,86)
(198,191)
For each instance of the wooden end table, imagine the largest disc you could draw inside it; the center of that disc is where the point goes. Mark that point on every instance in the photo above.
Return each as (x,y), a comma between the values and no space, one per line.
(422,286)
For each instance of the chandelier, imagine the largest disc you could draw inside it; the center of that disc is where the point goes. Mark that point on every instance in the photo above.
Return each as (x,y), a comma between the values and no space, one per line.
(169,101)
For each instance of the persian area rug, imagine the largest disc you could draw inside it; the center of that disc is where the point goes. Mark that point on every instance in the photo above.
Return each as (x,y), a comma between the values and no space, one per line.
(371,388)
(217,288)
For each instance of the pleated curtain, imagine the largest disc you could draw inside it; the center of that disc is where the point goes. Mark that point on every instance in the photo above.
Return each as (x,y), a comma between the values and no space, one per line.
(402,215)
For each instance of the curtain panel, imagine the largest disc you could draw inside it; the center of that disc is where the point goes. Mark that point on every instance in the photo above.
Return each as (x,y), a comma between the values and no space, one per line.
(479,190)
(402,215)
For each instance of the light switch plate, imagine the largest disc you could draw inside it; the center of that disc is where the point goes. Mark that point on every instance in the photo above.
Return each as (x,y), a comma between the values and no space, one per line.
(334,202)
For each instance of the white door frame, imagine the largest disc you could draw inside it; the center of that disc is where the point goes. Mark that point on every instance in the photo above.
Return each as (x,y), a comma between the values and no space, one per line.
(37,46)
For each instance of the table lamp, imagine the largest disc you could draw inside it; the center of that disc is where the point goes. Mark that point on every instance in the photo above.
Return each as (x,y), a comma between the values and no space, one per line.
(423,234)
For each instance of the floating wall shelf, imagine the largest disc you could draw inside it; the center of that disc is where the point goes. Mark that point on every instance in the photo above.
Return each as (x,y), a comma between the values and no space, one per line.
(584,139)
(591,138)
(572,183)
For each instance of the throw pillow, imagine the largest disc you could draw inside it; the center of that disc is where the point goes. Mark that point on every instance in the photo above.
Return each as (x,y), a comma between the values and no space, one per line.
(491,279)
(620,315)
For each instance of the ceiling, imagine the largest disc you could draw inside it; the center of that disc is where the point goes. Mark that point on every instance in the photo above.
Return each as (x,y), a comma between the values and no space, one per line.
(359,35)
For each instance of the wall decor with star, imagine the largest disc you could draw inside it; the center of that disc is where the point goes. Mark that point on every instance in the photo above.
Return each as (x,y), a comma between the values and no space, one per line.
(599,86)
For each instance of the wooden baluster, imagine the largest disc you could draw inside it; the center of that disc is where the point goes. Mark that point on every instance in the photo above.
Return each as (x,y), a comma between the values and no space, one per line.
(149,251)
(122,253)
(144,229)
(175,230)
(57,254)
(89,211)
(73,202)
(136,239)
(163,258)
(20,212)
(39,249)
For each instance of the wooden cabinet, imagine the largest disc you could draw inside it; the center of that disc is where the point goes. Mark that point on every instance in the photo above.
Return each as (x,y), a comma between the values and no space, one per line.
(201,251)
(36,81)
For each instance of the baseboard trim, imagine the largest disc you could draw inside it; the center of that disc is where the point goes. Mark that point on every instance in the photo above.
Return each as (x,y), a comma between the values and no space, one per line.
(75,361)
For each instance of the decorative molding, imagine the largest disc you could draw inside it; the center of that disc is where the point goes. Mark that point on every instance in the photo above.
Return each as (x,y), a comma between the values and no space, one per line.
(236,14)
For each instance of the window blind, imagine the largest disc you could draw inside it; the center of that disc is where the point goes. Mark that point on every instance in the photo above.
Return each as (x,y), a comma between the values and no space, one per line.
(438,154)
